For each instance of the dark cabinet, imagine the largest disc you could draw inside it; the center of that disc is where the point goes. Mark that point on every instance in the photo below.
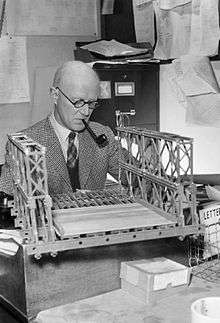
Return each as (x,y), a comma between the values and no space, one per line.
(129,86)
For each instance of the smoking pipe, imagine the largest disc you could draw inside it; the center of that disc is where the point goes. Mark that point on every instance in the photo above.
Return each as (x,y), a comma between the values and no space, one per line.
(101,140)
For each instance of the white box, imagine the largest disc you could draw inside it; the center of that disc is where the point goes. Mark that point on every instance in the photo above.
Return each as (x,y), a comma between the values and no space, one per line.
(148,279)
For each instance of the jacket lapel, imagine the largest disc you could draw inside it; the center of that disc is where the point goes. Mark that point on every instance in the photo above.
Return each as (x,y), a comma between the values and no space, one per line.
(55,158)
(87,148)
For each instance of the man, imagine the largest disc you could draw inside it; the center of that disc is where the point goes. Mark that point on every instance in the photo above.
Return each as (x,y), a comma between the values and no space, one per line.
(76,162)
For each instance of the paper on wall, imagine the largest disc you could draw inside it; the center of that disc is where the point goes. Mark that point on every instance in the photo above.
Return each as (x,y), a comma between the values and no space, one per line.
(173,31)
(193,78)
(108,7)
(195,75)
(53,17)
(205,33)
(192,84)
(144,20)
(204,110)
(185,27)
(14,85)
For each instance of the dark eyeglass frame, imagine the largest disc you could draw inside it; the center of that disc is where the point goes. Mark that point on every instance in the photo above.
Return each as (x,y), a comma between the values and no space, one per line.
(80,103)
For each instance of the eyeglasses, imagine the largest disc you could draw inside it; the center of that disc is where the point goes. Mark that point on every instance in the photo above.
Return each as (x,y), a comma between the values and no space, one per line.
(80,103)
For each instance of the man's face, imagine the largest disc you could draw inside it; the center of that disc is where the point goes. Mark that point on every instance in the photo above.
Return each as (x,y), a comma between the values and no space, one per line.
(65,112)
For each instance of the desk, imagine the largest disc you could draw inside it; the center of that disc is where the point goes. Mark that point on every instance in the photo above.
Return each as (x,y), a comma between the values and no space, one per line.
(127,309)
(35,285)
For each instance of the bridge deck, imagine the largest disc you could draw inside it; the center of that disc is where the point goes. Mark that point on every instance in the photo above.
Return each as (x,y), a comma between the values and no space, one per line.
(94,219)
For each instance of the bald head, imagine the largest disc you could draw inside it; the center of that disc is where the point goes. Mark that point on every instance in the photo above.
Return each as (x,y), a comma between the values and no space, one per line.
(77,81)
(73,72)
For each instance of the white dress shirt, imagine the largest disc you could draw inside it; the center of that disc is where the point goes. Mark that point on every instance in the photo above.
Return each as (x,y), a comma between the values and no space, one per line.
(62,134)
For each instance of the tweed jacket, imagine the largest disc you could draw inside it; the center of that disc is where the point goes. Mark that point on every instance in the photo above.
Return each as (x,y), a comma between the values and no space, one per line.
(94,162)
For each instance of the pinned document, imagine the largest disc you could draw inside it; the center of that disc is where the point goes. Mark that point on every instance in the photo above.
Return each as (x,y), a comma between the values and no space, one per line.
(186,27)
(205,33)
(173,30)
(144,20)
(14,85)
(53,17)
(108,7)
(194,78)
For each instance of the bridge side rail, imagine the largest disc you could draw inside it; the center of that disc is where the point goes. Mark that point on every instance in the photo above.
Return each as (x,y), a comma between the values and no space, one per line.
(159,169)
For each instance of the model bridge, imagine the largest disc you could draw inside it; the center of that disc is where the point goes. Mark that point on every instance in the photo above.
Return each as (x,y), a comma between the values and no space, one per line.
(159,200)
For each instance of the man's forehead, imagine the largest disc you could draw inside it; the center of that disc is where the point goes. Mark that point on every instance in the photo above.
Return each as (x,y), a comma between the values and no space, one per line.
(76,84)
(77,70)
(72,78)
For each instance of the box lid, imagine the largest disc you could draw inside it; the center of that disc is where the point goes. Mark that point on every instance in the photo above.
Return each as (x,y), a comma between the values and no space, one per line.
(155,273)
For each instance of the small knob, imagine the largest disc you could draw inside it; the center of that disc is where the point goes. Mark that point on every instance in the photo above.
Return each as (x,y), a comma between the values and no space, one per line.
(37,256)
(53,254)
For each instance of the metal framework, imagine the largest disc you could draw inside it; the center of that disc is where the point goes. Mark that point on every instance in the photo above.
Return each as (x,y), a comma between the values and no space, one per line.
(159,171)
(32,203)
(159,175)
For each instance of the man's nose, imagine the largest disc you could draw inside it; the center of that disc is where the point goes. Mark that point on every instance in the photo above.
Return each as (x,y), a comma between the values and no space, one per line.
(85,109)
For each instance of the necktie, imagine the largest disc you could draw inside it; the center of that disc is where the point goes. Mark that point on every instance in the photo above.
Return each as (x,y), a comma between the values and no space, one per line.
(71,151)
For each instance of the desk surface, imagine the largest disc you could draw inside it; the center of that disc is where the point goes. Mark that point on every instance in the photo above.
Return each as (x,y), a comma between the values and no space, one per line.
(124,308)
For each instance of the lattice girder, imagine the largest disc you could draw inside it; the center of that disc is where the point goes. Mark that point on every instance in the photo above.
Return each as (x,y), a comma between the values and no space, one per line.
(32,204)
(159,170)
(165,155)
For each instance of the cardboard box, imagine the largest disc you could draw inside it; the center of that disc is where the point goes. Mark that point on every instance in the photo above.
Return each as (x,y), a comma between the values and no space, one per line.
(152,279)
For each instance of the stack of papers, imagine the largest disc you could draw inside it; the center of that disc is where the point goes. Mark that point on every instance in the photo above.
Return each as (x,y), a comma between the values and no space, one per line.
(10,241)
(111,48)
(116,52)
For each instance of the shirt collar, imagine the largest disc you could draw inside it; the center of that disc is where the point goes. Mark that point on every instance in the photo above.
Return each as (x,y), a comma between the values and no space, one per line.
(61,131)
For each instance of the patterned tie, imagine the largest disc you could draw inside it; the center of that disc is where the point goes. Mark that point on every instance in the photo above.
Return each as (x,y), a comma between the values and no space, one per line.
(71,151)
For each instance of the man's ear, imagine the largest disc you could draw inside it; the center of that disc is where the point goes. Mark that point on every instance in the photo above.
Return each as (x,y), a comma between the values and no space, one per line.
(54,93)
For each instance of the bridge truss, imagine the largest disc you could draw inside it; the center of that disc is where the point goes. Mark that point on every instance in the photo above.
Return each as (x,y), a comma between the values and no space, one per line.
(160,194)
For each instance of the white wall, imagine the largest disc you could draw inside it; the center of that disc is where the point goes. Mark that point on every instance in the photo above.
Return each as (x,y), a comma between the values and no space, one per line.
(172,119)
